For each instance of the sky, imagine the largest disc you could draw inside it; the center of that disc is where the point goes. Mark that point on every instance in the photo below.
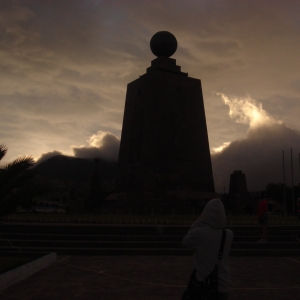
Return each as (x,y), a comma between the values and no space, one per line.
(65,65)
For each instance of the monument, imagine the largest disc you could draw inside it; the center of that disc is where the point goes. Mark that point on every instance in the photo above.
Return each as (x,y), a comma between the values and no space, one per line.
(238,183)
(164,142)
(241,201)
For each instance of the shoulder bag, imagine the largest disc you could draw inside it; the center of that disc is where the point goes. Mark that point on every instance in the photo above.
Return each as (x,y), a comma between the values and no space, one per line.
(208,288)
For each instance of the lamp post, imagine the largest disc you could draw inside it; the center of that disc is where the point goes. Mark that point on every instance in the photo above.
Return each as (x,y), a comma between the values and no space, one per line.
(292,173)
(283,171)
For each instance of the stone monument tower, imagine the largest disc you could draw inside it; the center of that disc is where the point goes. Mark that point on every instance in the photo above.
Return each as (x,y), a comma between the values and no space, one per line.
(164,142)
(238,183)
(239,197)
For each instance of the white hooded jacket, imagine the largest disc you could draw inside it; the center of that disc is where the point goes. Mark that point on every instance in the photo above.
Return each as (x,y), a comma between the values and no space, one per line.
(205,237)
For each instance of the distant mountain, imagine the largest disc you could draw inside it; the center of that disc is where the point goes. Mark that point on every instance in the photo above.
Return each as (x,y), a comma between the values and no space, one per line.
(62,167)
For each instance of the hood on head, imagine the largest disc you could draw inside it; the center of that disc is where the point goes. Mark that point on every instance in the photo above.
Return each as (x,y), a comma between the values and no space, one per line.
(214,214)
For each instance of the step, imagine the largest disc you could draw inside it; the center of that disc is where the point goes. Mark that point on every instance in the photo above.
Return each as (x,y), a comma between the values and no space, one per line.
(83,237)
(269,245)
(122,240)
(132,229)
(153,251)
(104,251)
(91,244)
(138,244)
(172,238)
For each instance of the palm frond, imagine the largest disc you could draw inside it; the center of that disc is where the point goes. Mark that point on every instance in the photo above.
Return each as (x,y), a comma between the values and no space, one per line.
(15,181)
(16,173)
(20,164)
(3,150)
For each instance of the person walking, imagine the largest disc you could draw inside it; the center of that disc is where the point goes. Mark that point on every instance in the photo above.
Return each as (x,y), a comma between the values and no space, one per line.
(205,236)
(263,218)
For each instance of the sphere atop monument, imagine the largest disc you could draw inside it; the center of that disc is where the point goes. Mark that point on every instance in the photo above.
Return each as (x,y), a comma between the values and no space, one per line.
(163,43)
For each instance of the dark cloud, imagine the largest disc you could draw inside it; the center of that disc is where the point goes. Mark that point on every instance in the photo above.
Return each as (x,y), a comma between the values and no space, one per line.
(46,156)
(259,156)
(104,145)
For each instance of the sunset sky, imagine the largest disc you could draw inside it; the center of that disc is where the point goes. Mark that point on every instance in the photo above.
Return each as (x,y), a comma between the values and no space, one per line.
(65,64)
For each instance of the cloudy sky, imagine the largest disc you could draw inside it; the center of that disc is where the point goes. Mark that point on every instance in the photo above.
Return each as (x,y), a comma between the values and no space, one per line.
(65,64)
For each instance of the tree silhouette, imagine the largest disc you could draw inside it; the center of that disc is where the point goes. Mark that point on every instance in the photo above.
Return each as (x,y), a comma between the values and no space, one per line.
(17,186)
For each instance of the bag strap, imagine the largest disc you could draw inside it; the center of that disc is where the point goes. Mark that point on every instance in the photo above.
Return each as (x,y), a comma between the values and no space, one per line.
(222,244)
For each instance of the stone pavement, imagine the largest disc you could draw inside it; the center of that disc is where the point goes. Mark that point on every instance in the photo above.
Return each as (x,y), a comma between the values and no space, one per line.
(153,277)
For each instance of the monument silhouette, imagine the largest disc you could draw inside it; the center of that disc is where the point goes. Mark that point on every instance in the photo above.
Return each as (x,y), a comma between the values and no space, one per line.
(241,201)
(238,183)
(164,141)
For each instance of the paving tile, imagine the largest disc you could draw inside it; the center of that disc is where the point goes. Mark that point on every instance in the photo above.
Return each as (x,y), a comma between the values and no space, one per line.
(153,277)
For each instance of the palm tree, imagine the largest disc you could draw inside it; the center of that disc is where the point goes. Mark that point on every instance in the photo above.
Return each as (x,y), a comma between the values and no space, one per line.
(16,184)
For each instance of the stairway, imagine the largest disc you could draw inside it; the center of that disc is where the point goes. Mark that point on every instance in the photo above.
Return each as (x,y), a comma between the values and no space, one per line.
(88,239)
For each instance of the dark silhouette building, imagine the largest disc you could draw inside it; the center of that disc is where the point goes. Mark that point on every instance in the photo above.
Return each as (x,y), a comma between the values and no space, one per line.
(241,201)
(164,142)
(238,184)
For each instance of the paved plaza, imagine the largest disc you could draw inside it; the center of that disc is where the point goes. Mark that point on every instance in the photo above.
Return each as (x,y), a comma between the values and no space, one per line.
(153,277)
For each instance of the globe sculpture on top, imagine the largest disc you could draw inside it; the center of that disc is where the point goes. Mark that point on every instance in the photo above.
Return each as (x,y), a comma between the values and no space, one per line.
(163,43)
